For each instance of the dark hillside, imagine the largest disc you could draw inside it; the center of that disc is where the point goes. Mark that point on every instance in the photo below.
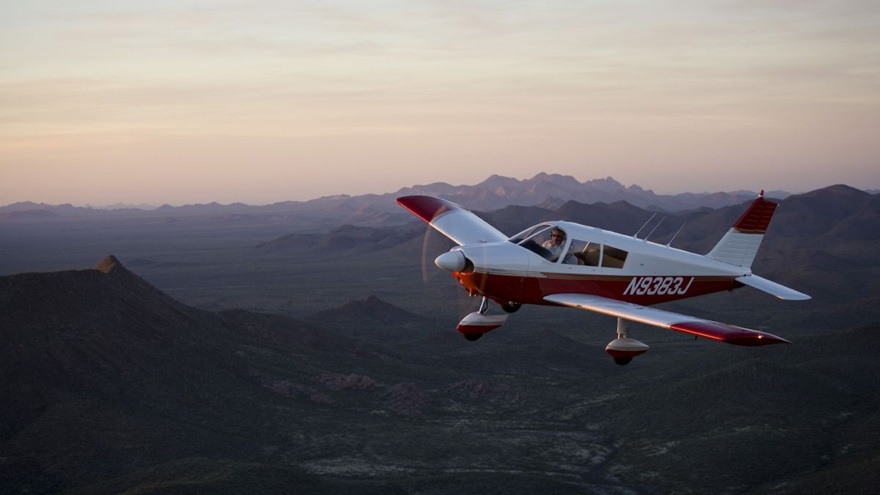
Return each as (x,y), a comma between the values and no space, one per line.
(821,212)
(104,375)
(111,386)
(95,331)
(347,238)
(374,319)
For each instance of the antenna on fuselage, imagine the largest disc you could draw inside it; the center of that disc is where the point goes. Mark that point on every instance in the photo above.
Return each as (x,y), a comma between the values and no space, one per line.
(676,234)
(636,235)
(655,227)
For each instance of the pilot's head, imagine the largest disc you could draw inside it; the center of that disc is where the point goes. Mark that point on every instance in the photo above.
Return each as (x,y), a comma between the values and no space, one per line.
(557,236)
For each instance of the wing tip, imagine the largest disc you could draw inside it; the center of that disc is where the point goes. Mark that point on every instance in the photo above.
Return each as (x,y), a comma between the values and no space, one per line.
(426,207)
(755,340)
(729,334)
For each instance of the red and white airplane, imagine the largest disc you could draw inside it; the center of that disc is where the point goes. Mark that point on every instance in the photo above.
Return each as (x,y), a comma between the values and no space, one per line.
(568,264)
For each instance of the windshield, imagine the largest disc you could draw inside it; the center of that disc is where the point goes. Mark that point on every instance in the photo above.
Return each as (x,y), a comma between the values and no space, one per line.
(545,240)
(529,233)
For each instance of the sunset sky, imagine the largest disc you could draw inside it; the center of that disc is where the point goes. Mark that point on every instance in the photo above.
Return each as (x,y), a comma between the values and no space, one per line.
(191,101)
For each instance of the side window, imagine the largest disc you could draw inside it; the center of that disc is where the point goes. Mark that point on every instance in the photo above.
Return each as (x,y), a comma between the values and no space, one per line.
(575,252)
(595,254)
(587,253)
(613,257)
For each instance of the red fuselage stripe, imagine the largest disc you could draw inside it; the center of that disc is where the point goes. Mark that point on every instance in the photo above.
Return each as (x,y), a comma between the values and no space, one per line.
(532,290)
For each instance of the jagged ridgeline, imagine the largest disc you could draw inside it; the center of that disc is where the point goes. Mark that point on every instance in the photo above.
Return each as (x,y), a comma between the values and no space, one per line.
(112,386)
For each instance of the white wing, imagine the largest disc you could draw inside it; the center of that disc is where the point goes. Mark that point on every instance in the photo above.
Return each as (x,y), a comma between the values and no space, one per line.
(452,220)
(714,330)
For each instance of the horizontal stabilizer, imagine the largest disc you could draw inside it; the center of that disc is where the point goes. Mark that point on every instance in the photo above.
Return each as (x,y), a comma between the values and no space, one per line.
(714,330)
(452,220)
(771,287)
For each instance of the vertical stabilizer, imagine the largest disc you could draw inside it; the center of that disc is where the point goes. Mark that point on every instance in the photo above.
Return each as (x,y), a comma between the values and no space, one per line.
(740,244)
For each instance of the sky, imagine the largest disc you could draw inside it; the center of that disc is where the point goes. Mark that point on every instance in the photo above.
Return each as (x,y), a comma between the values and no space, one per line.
(193,101)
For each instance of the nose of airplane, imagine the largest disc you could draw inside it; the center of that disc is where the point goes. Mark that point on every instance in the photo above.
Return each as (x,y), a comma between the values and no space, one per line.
(452,261)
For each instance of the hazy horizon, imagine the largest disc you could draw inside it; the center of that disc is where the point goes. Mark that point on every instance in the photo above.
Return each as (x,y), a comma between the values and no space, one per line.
(260,102)
(147,205)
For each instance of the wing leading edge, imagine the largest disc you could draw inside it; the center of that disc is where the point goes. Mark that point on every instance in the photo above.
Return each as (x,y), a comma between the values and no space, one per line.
(714,330)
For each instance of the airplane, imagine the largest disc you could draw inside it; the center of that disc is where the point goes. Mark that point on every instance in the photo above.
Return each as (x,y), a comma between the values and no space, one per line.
(599,270)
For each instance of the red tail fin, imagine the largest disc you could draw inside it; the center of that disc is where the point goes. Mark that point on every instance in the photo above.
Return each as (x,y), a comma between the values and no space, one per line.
(757,217)
(740,244)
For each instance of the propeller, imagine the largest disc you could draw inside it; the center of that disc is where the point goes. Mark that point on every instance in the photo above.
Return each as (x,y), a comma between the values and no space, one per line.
(456,299)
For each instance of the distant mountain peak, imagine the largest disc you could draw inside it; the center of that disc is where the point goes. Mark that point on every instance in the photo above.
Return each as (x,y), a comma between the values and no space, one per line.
(838,190)
(565,181)
(371,309)
(608,184)
(109,263)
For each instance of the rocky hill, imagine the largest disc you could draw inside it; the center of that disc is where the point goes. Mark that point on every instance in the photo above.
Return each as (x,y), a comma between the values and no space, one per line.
(111,386)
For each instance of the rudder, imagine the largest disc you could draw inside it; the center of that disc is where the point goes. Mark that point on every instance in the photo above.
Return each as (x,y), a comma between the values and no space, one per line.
(740,244)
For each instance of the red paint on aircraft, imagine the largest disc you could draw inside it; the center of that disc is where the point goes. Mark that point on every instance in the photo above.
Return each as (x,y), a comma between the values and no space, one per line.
(426,207)
(515,279)
(757,217)
(730,334)
(532,290)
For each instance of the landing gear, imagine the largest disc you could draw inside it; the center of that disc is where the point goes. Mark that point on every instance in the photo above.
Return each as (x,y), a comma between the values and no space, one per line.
(484,306)
(511,307)
(623,349)
(474,325)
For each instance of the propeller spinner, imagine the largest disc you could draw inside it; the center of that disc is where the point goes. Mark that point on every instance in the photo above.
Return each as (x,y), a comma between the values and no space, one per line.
(452,261)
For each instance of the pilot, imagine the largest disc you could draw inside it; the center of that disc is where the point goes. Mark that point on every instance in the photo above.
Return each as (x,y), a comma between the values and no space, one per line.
(556,244)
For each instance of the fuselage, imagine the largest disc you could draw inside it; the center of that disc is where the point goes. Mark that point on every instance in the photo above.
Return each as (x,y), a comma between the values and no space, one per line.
(594,261)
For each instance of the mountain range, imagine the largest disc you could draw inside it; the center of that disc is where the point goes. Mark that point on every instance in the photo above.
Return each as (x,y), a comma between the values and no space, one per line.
(234,354)
(548,190)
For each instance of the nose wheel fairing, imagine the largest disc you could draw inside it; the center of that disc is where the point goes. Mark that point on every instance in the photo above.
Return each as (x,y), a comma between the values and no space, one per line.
(477,323)
(474,325)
